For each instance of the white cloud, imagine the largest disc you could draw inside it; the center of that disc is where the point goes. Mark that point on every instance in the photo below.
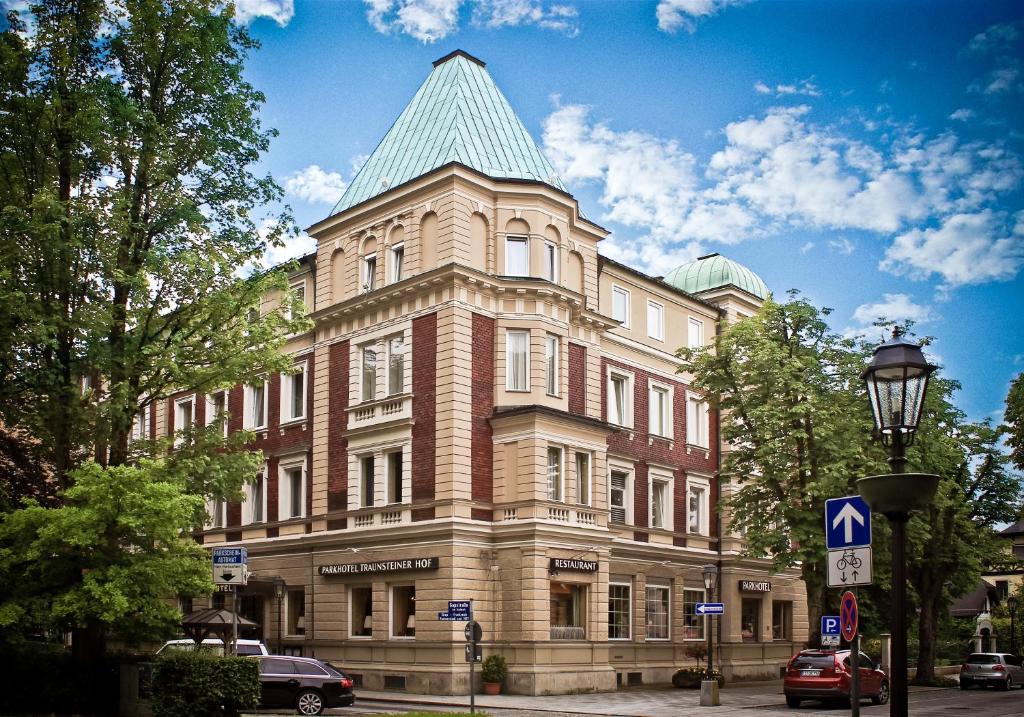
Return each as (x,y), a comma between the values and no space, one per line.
(806,247)
(675,14)
(1001,80)
(314,185)
(842,245)
(963,114)
(424,20)
(995,38)
(280,11)
(892,307)
(511,13)
(291,247)
(803,87)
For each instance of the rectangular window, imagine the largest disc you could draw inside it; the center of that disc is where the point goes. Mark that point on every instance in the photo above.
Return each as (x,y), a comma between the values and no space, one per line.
(403,611)
(291,491)
(750,619)
(395,477)
(517,344)
(696,422)
(369,272)
(567,611)
(217,509)
(397,259)
(620,305)
(655,320)
(361,609)
(657,612)
(550,262)
(554,474)
(661,503)
(619,609)
(255,409)
(293,395)
(184,415)
(693,624)
(299,290)
(216,408)
(782,620)
(517,256)
(369,374)
(617,498)
(366,478)
(583,478)
(255,499)
(620,399)
(295,623)
(140,424)
(551,363)
(396,365)
(695,333)
(697,509)
(660,409)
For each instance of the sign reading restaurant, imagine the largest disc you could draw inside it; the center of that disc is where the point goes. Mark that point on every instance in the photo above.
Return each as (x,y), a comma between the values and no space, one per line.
(381,566)
(580,566)
(755,586)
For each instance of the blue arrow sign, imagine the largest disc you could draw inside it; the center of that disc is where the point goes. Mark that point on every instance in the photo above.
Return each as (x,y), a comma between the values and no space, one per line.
(230,556)
(710,608)
(829,624)
(847,523)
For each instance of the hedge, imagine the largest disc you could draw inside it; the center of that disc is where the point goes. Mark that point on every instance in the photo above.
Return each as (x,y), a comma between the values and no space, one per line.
(203,684)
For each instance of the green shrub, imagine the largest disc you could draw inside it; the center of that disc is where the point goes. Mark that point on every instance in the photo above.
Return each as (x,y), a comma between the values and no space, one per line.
(691,677)
(201,684)
(494,669)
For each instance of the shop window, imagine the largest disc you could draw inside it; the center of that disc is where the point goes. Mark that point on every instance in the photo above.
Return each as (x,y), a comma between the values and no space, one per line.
(661,502)
(750,619)
(216,407)
(369,374)
(655,320)
(620,305)
(583,478)
(693,624)
(619,611)
(255,409)
(554,474)
(620,398)
(395,477)
(369,272)
(403,611)
(567,611)
(695,333)
(361,606)
(657,612)
(292,491)
(696,421)
(293,395)
(517,374)
(618,495)
(782,620)
(517,256)
(397,261)
(396,365)
(551,364)
(660,411)
(366,478)
(296,613)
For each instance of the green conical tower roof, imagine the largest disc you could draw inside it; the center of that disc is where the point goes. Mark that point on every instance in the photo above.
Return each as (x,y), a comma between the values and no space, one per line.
(457,115)
(714,271)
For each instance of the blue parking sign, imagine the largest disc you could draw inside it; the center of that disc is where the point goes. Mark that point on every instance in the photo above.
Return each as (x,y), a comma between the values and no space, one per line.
(829,624)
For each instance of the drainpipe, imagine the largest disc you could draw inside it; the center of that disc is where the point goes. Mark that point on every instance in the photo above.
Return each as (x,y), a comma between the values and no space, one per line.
(718,494)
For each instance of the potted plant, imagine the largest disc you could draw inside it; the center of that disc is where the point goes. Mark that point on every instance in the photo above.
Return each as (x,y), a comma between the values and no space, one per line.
(493,673)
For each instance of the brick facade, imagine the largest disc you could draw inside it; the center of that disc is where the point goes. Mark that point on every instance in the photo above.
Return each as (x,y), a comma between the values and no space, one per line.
(424,409)
(577,379)
(337,422)
(482,461)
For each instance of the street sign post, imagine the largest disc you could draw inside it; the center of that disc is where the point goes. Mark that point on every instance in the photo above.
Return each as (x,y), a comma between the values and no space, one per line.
(230,566)
(710,608)
(849,617)
(847,523)
(849,567)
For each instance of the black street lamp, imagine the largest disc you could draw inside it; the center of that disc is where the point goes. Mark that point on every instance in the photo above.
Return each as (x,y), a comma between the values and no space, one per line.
(279,586)
(896,380)
(710,573)
(1011,604)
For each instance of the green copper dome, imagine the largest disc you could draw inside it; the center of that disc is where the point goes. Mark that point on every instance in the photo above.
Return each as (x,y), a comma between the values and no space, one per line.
(714,271)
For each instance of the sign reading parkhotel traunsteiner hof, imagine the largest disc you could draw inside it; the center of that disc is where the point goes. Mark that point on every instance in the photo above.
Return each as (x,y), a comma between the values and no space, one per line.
(381,566)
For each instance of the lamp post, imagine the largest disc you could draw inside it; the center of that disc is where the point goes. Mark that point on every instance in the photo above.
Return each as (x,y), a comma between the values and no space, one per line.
(710,573)
(1011,604)
(896,381)
(279,594)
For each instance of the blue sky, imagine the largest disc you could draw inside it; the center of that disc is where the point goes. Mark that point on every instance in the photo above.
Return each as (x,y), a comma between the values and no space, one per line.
(870,154)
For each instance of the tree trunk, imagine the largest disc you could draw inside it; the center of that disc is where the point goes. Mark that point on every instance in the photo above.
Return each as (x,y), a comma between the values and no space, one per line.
(926,630)
(814,583)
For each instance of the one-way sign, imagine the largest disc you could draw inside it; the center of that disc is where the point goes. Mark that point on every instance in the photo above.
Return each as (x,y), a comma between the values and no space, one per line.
(847,523)
(710,608)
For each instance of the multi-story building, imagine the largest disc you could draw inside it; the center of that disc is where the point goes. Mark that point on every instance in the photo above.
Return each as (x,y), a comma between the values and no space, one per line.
(488,409)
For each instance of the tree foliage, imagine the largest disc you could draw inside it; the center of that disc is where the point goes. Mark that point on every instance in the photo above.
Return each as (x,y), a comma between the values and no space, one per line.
(1014,420)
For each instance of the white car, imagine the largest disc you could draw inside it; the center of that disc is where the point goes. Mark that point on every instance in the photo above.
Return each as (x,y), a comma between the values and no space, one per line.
(245,647)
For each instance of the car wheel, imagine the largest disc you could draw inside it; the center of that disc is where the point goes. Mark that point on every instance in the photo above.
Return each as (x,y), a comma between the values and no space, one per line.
(309,702)
(1006,685)
(883,695)
(793,701)
(965,684)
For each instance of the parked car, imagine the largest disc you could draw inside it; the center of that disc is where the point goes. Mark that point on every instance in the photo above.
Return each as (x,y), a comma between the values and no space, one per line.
(307,684)
(991,668)
(214,644)
(826,675)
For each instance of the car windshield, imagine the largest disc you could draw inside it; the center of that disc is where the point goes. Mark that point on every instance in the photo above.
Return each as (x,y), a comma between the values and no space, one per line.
(983,660)
(249,649)
(813,662)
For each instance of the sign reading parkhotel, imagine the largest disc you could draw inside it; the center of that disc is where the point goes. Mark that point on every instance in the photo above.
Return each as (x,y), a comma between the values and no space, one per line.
(579,566)
(381,566)
(755,586)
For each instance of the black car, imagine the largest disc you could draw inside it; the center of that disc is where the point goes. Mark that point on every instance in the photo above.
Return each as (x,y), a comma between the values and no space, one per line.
(304,683)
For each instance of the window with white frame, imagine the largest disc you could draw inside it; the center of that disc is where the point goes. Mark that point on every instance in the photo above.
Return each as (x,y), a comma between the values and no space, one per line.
(396,365)
(693,624)
(517,363)
(369,272)
(657,612)
(620,398)
(660,410)
(216,408)
(620,305)
(299,290)
(369,373)
(254,506)
(395,475)
(293,395)
(217,510)
(367,475)
(661,501)
(655,320)
(696,421)
(619,611)
(554,473)
(517,256)
(620,484)
(397,260)
(582,478)
(695,333)
(184,417)
(292,490)
(550,262)
(551,350)
(254,412)
(140,423)
(697,492)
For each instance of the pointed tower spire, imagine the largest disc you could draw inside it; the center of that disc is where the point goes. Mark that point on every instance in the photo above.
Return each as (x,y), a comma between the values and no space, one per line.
(457,115)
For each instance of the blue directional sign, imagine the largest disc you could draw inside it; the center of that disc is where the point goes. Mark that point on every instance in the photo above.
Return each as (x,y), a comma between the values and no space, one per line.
(830,625)
(230,556)
(458,611)
(710,608)
(847,523)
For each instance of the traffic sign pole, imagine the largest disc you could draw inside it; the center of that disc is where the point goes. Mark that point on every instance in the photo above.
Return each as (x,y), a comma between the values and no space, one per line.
(472,659)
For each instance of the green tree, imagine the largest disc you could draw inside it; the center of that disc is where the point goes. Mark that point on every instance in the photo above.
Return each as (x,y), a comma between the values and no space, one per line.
(1014,420)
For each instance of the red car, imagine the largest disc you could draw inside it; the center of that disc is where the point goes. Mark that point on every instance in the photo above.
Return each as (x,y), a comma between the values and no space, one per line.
(825,675)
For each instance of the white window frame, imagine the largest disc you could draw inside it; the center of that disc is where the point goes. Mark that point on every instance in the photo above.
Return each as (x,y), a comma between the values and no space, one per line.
(141,423)
(704,486)
(658,477)
(627,497)
(249,491)
(284,493)
(703,598)
(698,421)
(629,609)
(509,386)
(694,333)
(396,264)
(211,408)
(369,272)
(623,292)
(668,612)
(248,421)
(211,510)
(586,480)
(559,487)
(295,287)
(627,420)
(551,261)
(656,329)
(287,393)
(404,483)
(388,355)
(363,478)
(178,424)
(517,239)
(666,415)
(372,346)
(552,367)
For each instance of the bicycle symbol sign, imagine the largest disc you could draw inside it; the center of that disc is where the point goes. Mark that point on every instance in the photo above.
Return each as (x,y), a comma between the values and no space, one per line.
(848,567)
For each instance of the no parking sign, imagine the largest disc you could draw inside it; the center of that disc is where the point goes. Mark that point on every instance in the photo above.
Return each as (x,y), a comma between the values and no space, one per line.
(848,616)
